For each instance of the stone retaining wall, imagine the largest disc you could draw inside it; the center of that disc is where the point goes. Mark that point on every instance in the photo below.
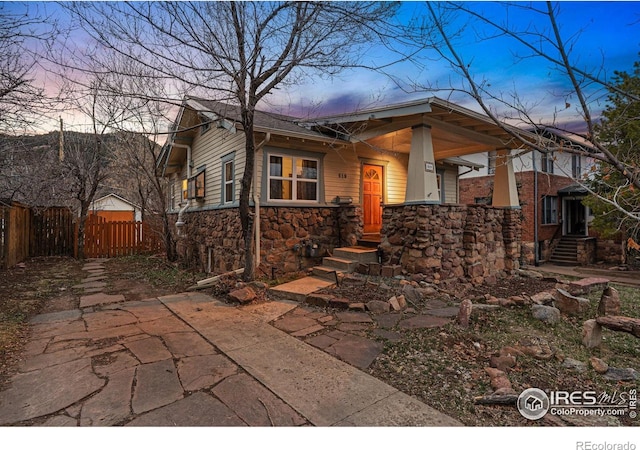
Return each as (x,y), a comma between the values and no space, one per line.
(293,238)
(439,242)
(452,242)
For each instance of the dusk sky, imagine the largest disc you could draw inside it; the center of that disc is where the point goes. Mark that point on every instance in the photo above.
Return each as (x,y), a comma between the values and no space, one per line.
(606,37)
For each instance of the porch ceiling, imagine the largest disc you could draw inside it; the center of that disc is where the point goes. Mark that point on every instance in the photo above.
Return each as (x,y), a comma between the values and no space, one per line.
(455,131)
(445,143)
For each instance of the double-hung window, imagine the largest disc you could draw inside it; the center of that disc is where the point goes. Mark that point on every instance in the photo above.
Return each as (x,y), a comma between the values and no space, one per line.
(549,210)
(228,179)
(576,166)
(293,178)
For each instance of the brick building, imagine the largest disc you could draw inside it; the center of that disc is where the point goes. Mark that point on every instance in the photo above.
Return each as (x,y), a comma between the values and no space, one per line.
(551,206)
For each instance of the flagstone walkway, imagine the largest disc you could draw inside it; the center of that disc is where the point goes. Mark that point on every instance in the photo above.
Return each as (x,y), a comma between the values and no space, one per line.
(190,360)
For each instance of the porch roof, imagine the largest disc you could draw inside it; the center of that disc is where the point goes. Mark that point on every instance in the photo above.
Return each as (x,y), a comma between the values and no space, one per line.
(573,189)
(456,131)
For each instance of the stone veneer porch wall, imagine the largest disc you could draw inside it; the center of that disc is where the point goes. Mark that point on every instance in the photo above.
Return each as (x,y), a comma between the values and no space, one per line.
(447,243)
(289,234)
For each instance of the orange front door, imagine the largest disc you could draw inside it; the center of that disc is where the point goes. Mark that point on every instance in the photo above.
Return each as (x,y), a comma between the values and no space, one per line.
(372,197)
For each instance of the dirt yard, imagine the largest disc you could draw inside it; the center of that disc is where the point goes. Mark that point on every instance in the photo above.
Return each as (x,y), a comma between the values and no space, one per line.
(443,366)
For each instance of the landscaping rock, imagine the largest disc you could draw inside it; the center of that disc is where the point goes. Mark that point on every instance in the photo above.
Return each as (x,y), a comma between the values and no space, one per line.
(378,306)
(402,301)
(615,374)
(518,300)
(536,347)
(340,303)
(587,285)
(506,302)
(620,323)
(244,295)
(502,362)
(609,303)
(530,274)
(395,305)
(591,334)
(547,314)
(574,364)
(321,300)
(464,313)
(357,307)
(598,365)
(411,294)
(499,380)
(569,304)
(543,298)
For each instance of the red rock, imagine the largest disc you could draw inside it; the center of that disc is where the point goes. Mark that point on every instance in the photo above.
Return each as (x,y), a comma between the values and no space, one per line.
(609,303)
(244,295)
(464,313)
(598,365)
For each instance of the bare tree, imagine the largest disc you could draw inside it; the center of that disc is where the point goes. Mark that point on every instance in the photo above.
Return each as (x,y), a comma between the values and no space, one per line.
(236,51)
(85,156)
(581,89)
(23,28)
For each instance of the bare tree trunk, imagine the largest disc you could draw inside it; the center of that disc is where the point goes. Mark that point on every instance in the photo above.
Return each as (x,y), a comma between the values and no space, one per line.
(246,216)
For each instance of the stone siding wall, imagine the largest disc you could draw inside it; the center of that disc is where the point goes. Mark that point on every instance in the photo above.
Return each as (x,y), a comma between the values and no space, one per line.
(610,251)
(586,251)
(448,243)
(293,238)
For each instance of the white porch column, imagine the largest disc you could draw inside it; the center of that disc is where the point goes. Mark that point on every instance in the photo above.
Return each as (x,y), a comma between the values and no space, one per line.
(422,180)
(505,190)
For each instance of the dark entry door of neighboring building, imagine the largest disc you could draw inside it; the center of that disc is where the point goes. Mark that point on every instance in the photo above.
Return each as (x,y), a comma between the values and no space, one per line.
(575,217)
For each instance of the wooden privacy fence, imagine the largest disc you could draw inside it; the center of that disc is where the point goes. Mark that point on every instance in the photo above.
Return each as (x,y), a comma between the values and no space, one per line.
(54,232)
(15,228)
(106,239)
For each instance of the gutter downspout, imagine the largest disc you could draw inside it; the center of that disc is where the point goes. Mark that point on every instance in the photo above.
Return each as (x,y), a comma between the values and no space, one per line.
(179,221)
(536,260)
(256,200)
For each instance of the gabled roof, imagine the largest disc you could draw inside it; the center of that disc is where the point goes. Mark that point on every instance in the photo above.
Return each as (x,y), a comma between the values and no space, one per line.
(263,121)
(118,197)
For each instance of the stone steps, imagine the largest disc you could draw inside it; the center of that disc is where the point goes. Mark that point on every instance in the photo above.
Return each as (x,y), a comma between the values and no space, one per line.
(344,260)
(566,252)
(298,290)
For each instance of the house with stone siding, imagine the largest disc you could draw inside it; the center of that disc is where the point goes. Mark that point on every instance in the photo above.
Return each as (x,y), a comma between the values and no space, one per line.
(555,222)
(384,179)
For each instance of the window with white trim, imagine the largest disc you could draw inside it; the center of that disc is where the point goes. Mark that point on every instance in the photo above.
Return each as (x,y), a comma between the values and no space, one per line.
(293,178)
(576,166)
(228,179)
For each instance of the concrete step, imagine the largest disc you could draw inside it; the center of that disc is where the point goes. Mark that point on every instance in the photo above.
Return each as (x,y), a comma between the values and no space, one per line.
(566,252)
(360,254)
(298,290)
(326,272)
(567,247)
(563,260)
(348,265)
